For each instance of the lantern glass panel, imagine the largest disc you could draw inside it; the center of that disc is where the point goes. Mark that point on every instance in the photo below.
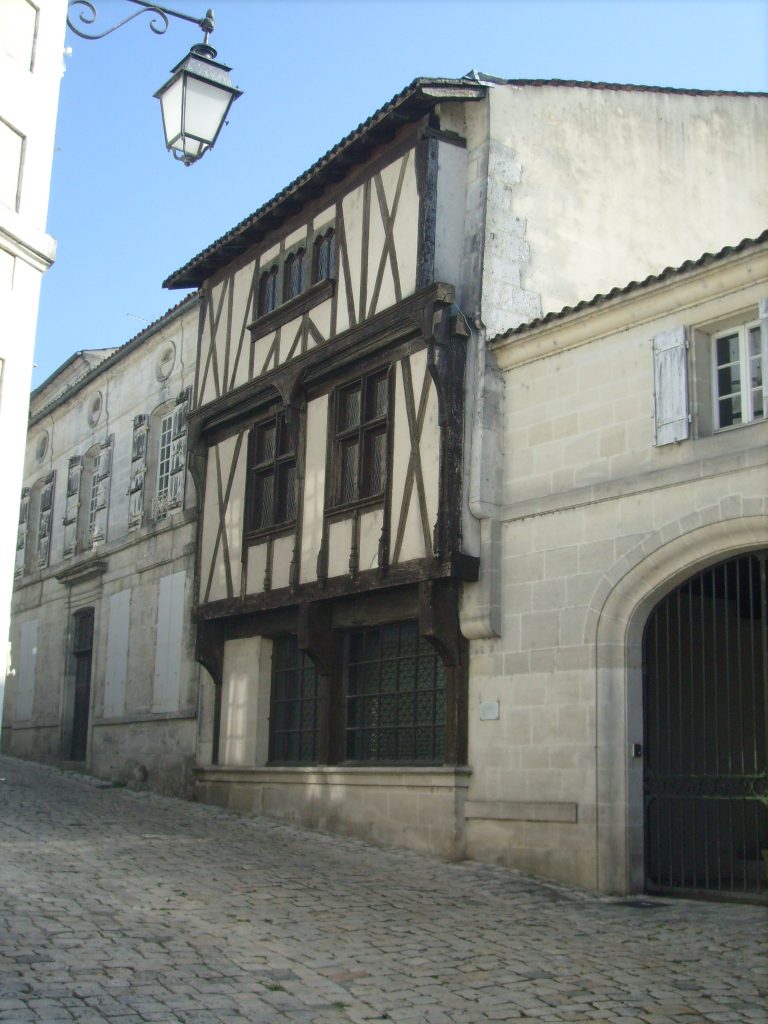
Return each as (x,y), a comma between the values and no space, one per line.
(205,108)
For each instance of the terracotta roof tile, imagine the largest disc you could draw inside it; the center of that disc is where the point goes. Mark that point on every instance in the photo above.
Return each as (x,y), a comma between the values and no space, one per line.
(633,286)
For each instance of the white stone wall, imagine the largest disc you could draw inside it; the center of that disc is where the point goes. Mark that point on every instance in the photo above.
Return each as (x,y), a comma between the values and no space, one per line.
(144,680)
(597,524)
(31,61)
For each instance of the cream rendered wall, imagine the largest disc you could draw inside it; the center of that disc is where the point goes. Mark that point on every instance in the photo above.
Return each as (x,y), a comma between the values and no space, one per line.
(592,188)
(449,223)
(224,460)
(413,541)
(31,61)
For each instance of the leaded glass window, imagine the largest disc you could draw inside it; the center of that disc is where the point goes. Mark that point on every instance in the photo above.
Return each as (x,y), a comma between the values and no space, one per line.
(293,720)
(395,696)
(293,275)
(272,499)
(361,438)
(267,291)
(324,257)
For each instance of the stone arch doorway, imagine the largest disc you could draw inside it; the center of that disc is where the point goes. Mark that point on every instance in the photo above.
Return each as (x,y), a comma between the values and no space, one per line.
(705,699)
(621,607)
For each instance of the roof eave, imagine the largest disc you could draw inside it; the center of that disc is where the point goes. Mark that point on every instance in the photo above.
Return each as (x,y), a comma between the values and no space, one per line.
(408,106)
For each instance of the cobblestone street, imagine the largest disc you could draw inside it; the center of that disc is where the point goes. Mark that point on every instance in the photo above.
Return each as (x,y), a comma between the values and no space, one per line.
(122,906)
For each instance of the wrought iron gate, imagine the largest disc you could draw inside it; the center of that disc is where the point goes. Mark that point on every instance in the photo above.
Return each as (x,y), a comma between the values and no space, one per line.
(705,683)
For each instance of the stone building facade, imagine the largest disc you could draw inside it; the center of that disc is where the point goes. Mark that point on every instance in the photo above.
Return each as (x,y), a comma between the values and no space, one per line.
(31,66)
(445,497)
(628,748)
(357,608)
(103,670)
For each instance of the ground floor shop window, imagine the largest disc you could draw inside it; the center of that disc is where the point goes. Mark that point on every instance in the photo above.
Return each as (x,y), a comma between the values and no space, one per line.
(293,721)
(385,702)
(395,696)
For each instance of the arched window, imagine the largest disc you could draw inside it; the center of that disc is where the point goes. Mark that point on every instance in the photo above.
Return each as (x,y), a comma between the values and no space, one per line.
(267,299)
(39,514)
(93,503)
(293,275)
(167,459)
(323,257)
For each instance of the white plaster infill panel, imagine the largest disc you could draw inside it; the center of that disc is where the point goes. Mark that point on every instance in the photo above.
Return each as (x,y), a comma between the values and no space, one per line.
(282,555)
(349,270)
(237,353)
(314,488)
(371,524)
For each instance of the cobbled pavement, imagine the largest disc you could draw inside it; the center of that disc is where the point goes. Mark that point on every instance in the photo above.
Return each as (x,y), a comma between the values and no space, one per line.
(126,907)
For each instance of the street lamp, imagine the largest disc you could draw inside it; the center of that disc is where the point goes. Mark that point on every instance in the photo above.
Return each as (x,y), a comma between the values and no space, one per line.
(196,98)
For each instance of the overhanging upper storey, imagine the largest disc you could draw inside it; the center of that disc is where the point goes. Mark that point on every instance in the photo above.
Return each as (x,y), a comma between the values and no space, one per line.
(407,107)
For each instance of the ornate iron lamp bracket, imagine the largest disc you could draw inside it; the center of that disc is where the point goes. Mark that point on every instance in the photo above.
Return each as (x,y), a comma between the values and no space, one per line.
(88,16)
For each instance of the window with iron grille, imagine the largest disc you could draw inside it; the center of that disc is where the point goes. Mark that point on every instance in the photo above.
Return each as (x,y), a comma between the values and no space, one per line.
(272,476)
(360,438)
(395,696)
(267,292)
(293,719)
(323,257)
(294,274)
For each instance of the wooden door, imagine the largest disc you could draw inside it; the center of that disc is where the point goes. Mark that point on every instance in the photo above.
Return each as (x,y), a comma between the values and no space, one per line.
(82,650)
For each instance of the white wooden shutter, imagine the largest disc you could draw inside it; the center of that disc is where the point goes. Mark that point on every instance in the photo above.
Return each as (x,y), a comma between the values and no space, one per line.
(670,386)
(72,505)
(21,536)
(103,471)
(45,521)
(138,472)
(178,473)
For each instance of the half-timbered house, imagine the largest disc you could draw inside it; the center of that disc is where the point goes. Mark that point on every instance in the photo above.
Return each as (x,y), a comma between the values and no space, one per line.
(347,445)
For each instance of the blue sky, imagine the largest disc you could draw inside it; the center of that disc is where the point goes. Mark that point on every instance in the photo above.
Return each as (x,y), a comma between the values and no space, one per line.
(125,214)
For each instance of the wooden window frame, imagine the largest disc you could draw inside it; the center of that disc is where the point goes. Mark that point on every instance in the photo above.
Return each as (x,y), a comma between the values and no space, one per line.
(294,705)
(164,455)
(360,435)
(326,240)
(267,299)
(743,333)
(276,467)
(293,284)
